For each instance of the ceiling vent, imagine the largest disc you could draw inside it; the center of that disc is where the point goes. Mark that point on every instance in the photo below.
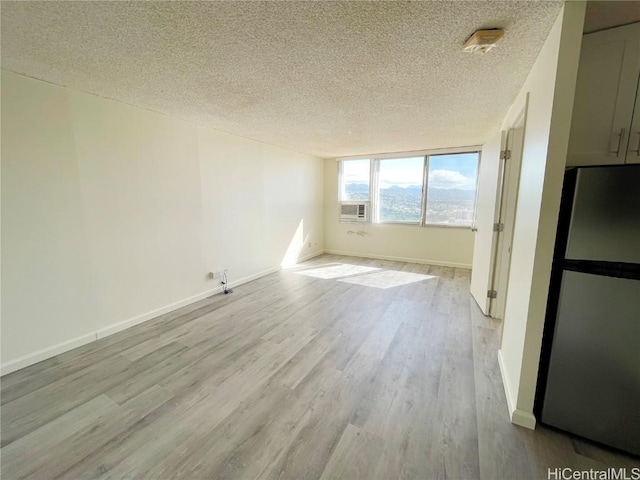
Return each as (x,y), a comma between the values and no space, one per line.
(483,40)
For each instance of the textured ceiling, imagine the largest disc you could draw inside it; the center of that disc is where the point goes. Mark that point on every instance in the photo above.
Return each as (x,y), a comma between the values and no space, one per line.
(326,78)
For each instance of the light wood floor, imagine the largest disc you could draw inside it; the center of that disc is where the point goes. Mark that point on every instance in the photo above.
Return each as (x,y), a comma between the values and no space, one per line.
(313,372)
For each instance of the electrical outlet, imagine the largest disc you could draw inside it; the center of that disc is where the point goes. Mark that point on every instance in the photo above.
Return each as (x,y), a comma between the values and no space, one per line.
(218,272)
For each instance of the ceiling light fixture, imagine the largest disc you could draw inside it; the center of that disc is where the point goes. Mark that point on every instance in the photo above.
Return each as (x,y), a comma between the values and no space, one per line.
(483,40)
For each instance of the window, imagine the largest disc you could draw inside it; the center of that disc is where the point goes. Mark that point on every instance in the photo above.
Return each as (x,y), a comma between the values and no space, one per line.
(429,189)
(400,189)
(451,189)
(354,180)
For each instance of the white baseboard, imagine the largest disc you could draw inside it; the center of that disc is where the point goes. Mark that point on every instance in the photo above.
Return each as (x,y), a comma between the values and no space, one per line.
(524,419)
(400,259)
(54,350)
(317,253)
(59,348)
(255,276)
(511,404)
(517,416)
(119,326)
(45,353)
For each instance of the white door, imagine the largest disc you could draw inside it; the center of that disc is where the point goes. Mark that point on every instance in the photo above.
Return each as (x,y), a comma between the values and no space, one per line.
(506,222)
(485,243)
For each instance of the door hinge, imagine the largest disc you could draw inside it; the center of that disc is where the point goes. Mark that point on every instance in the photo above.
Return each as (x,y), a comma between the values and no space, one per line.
(498,227)
(505,154)
(492,294)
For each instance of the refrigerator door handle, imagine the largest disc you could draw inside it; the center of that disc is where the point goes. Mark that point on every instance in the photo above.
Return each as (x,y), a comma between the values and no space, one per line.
(630,271)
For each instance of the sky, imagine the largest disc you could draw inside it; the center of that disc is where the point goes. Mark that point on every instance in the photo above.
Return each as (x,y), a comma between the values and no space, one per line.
(445,171)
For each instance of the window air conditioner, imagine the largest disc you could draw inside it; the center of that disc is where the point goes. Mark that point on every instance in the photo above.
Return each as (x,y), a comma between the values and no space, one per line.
(353,212)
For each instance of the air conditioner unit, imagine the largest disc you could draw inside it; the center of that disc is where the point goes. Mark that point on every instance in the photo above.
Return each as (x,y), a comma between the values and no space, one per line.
(353,212)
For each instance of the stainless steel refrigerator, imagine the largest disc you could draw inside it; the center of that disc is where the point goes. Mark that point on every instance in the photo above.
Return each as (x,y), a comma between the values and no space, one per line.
(593,319)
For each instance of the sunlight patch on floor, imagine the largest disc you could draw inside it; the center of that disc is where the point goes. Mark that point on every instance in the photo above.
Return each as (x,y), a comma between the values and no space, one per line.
(387,279)
(337,271)
(365,276)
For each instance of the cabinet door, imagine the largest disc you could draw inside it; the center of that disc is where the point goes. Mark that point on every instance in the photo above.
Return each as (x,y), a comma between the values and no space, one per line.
(605,94)
(633,147)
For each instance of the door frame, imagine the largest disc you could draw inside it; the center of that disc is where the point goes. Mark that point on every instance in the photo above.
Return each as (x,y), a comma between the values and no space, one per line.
(506,206)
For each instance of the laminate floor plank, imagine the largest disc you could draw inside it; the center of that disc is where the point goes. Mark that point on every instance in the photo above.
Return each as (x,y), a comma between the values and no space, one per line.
(340,367)
(502,451)
(27,380)
(409,428)
(259,454)
(33,450)
(355,457)
(207,407)
(63,455)
(200,454)
(26,414)
(235,344)
(454,454)
(273,308)
(314,444)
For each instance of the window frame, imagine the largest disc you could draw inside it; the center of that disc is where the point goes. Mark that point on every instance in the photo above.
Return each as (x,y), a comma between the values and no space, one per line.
(342,186)
(375,205)
(374,191)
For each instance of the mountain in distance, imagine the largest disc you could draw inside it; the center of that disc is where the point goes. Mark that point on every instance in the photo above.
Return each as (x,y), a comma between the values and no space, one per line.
(357,188)
(451,194)
(435,194)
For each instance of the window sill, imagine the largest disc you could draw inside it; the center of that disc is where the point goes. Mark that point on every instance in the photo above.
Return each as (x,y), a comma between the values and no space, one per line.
(407,224)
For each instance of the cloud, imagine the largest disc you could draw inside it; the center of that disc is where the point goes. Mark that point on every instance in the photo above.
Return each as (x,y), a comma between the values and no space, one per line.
(450,179)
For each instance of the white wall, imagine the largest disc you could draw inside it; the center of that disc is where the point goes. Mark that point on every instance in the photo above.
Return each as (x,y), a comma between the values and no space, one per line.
(551,86)
(140,194)
(47,293)
(112,215)
(433,245)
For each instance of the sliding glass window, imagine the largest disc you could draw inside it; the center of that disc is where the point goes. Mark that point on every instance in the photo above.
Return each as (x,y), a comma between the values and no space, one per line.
(400,190)
(436,189)
(451,189)
(354,180)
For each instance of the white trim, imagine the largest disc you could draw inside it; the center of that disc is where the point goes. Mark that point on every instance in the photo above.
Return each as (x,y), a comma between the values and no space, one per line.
(40,355)
(517,416)
(255,276)
(414,153)
(505,383)
(123,325)
(400,259)
(62,347)
(117,327)
(317,253)
(523,419)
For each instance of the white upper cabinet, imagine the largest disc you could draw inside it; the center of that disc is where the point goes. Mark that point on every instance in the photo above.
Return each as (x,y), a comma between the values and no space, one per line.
(604,128)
